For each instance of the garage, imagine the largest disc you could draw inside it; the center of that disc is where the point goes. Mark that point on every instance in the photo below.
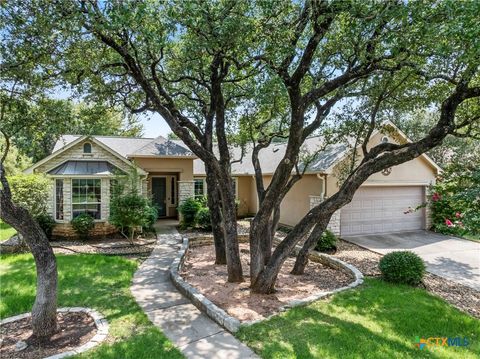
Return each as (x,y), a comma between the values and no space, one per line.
(382,210)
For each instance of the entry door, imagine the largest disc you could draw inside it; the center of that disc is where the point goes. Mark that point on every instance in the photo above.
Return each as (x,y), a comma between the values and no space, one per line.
(159,194)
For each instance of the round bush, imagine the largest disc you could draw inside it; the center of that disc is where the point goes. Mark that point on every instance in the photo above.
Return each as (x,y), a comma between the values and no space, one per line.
(82,224)
(203,219)
(403,267)
(189,210)
(326,242)
(47,223)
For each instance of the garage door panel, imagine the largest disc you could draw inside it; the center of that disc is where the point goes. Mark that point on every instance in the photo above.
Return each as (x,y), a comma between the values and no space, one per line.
(381,210)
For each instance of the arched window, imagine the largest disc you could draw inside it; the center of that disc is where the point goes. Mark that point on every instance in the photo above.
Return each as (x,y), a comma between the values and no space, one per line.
(87,148)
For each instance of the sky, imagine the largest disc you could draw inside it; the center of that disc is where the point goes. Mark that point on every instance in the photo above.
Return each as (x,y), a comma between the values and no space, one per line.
(154,125)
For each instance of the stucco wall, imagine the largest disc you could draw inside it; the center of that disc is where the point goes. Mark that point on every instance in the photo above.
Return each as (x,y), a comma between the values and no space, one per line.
(245,190)
(184,167)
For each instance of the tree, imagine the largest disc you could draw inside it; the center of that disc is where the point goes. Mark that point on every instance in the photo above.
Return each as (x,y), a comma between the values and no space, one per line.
(197,64)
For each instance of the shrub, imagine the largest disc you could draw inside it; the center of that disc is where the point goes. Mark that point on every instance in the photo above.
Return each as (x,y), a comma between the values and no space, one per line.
(403,267)
(47,223)
(31,192)
(326,242)
(131,211)
(83,224)
(203,219)
(188,209)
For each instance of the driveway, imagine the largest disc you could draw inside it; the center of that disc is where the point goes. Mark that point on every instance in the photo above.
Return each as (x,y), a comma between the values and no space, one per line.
(446,256)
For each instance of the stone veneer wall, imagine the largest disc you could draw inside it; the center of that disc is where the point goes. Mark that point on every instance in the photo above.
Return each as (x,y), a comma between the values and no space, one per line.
(185,190)
(334,224)
(65,231)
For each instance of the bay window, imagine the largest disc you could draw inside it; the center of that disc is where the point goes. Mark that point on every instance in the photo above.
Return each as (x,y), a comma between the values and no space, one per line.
(59,199)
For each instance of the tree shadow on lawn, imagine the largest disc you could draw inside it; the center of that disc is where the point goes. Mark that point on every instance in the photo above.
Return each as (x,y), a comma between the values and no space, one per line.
(377,320)
(93,281)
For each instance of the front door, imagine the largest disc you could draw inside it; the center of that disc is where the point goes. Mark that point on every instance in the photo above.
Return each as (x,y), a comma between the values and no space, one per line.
(159,193)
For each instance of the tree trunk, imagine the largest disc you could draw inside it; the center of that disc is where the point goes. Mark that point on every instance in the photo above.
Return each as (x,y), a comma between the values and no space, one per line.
(302,257)
(234,265)
(213,198)
(44,311)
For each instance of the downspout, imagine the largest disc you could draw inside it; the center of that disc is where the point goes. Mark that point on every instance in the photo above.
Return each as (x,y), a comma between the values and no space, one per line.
(323,177)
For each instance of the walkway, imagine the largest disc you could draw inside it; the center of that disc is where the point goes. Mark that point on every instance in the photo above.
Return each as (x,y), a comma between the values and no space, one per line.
(191,330)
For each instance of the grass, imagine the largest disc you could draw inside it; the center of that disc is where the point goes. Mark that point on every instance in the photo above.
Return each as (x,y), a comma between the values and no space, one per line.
(376,320)
(94,281)
(472,237)
(6,231)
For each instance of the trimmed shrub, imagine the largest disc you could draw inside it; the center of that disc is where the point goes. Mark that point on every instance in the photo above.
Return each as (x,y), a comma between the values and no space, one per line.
(326,242)
(31,192)
(203,219)
(404,267)
(131,211)
(188,209)
(83,224)
(46,222)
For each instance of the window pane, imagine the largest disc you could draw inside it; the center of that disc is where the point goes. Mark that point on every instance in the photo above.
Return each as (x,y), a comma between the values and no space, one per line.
(59,199)
(86,197)
(198,187)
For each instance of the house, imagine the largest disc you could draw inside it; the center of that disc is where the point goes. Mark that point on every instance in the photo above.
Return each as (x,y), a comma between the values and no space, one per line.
(82,169)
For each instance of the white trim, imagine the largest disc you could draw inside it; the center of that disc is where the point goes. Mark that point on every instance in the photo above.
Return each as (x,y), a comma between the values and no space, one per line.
(162,156)
(396,184)
(101,219)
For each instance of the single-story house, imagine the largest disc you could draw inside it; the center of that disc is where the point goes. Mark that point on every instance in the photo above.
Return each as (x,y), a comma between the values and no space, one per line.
(82,169)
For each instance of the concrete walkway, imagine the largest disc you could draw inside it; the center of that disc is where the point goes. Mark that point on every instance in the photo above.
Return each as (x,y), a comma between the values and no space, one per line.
(449,257)
(191,330)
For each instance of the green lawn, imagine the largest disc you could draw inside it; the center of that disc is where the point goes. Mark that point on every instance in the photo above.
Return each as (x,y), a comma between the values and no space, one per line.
(6,231)
(93,281)
(377,320)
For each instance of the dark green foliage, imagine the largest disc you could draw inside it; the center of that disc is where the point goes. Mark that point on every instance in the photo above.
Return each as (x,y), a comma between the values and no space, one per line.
(203,219)
(326,242)
(455,200)
(403,267)
(131,211)
(188,209)
(83,224)
(47,223)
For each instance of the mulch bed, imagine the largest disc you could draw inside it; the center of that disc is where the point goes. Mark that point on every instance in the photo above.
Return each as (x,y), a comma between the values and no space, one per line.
(236,298)
(464,298)
(115,246)
(75,329)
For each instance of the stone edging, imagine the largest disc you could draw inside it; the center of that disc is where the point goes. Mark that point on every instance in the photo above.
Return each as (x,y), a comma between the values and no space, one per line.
(100,322)
(233,324)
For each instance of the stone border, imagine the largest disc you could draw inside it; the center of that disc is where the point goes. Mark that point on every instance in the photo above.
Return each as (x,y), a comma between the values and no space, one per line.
(233,324)
(100,322)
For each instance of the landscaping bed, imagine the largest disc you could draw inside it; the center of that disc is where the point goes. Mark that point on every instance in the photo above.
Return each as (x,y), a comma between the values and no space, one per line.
(75,329)
(462,297)
(236,298)
(114,246)
(93,281)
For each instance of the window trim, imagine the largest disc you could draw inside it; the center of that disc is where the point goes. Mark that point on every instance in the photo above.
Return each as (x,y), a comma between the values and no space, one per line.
(83,148)
(204,186)
(101,219)
(55,210)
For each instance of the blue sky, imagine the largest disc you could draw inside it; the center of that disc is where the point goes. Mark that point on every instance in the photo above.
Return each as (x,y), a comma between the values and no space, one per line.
(154,125)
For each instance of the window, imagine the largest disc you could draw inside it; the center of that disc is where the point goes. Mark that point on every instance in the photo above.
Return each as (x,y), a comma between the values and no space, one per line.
(86,197)
(87,148)
(199,187)
(59,199)
(172,191)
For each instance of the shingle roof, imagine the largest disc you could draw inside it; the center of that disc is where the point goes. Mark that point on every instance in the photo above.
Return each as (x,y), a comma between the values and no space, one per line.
(160,146)
(269,157)
(320,159)
(85,168)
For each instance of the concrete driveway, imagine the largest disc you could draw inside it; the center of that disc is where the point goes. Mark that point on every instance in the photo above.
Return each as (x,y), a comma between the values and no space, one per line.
(446,256)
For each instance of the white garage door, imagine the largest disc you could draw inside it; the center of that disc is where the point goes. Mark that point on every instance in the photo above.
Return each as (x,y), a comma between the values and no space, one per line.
(381,210)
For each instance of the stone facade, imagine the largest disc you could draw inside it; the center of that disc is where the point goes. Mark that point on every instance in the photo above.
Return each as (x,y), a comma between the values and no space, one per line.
(185,190)
(66,231)
(334,224)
